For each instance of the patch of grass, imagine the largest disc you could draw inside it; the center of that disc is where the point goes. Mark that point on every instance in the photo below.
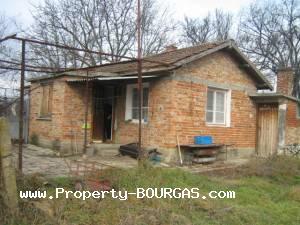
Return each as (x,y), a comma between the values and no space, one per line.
(284,169)
(267,192)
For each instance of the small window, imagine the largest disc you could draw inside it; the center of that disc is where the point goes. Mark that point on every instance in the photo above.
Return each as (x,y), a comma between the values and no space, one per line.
(217,108)
(46,104)
(132,103)
(298,110)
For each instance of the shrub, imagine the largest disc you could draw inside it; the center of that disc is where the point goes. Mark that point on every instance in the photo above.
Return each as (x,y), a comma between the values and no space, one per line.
(34,139)
(283,168)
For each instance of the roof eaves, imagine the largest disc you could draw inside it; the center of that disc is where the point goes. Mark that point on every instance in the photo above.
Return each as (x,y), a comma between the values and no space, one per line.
(48,76)
(253,67)
(146,71)
(274,95)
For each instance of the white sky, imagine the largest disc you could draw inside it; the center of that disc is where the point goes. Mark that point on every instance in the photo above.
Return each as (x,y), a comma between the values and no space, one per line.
(194,8)
(20,9)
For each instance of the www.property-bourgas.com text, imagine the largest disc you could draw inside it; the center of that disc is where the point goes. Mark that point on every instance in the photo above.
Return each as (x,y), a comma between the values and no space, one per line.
(192,193)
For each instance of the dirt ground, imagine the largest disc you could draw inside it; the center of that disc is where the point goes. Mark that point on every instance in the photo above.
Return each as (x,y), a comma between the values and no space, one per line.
(47,163)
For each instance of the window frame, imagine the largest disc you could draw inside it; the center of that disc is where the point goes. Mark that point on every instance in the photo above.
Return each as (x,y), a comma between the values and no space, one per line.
(128,107)
(227,107)
(48,113)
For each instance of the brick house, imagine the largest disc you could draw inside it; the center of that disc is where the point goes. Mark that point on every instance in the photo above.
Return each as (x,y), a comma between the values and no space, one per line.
(210,89)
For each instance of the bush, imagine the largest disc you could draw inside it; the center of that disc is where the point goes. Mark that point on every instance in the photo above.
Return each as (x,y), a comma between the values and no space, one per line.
(34,139)
(283,168)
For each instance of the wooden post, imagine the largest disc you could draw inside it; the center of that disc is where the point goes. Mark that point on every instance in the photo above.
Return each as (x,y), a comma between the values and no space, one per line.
(10,194)
(179,150)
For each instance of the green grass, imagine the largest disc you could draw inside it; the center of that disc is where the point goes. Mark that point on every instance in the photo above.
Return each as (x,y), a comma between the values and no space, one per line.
(265,194)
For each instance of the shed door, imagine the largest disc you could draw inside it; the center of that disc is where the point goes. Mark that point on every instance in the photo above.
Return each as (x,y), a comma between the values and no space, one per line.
(267,139)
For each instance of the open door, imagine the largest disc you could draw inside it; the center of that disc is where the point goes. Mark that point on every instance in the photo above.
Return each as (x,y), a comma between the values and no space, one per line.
(267,129)
(103,113)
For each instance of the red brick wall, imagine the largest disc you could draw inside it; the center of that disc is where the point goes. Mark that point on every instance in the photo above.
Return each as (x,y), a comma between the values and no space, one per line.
(46,129)
(292,124)
(159,131)
(177,105)
(285,81)
(67,117)
(74,115)
(220,70)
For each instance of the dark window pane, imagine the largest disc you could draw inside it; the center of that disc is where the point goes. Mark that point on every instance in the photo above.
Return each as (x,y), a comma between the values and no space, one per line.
(145,97)
(135,113)
(135,99)
(210,100)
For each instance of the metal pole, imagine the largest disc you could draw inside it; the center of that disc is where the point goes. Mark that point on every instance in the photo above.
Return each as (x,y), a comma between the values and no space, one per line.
(140,82)
(86,111)
(67,47)
(21,112)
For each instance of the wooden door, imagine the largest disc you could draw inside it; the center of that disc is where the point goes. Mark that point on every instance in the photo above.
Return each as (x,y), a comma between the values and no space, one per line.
(267,125)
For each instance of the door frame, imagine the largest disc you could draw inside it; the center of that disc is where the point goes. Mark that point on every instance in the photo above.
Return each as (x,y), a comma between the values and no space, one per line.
(261,104)
(113,114)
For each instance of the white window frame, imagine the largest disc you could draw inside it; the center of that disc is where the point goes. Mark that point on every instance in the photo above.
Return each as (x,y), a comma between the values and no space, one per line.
(128,110)
(227,107)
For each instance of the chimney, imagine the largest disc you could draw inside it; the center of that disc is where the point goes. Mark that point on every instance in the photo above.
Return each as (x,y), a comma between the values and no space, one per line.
(285,81)
(170,48)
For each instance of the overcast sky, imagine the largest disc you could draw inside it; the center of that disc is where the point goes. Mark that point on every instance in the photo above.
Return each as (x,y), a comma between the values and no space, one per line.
(195,8)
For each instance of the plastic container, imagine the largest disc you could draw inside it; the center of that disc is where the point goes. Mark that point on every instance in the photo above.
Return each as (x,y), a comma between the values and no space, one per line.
(203,140)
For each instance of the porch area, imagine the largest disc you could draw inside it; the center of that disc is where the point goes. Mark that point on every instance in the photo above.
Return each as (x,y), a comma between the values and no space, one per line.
(104,105)
(49,164)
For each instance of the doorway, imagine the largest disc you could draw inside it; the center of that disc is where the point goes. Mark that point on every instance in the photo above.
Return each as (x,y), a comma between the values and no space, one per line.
(267,129)
(103,100)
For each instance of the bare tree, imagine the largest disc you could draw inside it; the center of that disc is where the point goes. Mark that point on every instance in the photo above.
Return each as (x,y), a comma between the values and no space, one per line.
(213,27)
(270,35)
(7,51)
(101,25)
(222,25)
(5,29)
(157,27)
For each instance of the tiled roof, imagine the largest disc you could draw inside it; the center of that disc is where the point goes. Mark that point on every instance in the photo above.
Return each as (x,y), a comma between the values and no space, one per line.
(167,61)
(163,61)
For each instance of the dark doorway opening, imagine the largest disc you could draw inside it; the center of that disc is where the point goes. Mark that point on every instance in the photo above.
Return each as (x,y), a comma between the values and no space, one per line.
(103,99)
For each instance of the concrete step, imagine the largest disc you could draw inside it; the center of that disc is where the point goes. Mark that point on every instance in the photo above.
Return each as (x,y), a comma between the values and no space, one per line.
(106,149)
(105,146)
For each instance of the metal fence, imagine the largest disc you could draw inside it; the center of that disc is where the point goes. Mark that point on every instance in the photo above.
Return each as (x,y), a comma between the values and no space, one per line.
(9,108)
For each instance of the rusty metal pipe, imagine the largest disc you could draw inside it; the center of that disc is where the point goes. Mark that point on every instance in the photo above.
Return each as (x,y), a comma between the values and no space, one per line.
(21,112)
(86,111)
(140,80)
(68,47)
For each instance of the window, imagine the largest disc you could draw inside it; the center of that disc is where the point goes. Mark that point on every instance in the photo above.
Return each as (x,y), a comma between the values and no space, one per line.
(217,107)
(298,111)
(46,104)
(132,103)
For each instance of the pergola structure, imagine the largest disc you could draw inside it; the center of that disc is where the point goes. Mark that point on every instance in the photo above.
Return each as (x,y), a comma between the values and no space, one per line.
(23,67)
